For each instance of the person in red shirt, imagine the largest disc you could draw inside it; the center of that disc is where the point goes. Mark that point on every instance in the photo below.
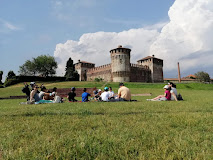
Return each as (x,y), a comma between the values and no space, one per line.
(165,97)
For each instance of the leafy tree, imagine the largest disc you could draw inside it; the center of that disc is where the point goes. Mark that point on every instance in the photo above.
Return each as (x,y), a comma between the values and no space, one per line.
(1,73)
(71,74)
(27,69)
(44,65)
(11,75)
(202,76)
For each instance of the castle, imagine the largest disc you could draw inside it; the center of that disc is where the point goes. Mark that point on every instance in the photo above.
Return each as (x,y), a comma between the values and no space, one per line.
(148,69)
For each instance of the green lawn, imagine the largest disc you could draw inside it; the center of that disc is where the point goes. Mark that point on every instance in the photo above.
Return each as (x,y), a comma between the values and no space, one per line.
(121,130)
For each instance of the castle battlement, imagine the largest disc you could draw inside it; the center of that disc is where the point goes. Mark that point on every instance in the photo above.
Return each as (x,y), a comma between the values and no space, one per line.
(99,68)
(145,67)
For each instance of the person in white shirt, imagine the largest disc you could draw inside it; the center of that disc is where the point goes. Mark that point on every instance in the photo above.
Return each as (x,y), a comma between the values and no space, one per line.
(111,93)
(173,91)
(105,95)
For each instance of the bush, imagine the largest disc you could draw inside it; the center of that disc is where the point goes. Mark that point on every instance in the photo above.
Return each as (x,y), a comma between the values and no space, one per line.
(37,78)
(98,79)
(1,86)
(10,82)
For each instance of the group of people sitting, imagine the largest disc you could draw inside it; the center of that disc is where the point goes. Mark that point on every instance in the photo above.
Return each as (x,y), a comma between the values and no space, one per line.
(106,96)
(34,96)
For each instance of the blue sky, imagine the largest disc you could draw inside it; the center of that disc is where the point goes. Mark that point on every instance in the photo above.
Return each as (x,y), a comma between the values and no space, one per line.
(31,28)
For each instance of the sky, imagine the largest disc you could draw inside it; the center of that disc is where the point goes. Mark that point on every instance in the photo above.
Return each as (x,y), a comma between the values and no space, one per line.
(173,30)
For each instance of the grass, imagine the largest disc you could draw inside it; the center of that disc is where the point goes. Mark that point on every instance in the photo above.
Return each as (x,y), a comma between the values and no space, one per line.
(123,130)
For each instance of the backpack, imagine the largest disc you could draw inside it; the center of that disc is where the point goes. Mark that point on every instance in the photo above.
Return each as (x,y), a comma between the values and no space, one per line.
(179,97)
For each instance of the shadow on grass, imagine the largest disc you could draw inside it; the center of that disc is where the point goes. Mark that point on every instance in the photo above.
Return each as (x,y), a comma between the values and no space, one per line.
(89,113)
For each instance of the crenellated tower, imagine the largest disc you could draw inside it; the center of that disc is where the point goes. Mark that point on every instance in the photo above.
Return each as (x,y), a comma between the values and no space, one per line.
(120,61)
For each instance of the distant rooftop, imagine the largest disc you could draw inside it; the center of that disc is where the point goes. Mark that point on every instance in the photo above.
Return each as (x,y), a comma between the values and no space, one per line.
(148,57)
(190,76)
(79,61)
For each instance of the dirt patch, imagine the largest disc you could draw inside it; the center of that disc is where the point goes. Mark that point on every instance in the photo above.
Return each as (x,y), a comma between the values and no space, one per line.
(144,94)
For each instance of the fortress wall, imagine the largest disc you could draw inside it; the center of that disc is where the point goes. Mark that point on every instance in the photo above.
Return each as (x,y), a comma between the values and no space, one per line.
(158,76)
(103,72)
(139,73)
(158,71)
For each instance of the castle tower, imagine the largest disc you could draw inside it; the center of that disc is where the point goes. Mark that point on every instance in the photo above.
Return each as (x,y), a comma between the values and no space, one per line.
(120,61)
(81,67)
(156,67)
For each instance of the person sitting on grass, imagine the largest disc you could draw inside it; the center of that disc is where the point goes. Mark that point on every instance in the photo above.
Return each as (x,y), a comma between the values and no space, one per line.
(165,97)
(56,97)
(26,90)
(105,95)
(35,99)
(44,93)
(95,92)
(34,96)
(173,91)
(71,95)
(124,93)
(111,93)
(85,95)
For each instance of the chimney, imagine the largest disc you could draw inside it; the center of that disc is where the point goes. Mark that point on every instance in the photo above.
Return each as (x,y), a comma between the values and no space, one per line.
(179,78)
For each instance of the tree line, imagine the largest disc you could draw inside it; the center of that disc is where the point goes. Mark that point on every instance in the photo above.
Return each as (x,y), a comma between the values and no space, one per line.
(46,66)
(43,66)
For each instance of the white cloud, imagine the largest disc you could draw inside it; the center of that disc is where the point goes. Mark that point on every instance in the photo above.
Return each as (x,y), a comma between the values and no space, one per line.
(95,47)
(189,32)
(11,27)
(186,38)
(6,27)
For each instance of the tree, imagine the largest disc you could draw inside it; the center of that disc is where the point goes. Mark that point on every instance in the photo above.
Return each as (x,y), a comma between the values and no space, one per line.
(11,75)
(202,76)
(44,65)
(70,74)
(1,73)
(27,69)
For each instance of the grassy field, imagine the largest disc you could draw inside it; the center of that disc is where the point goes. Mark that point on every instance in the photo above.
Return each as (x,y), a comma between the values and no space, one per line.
(107,130)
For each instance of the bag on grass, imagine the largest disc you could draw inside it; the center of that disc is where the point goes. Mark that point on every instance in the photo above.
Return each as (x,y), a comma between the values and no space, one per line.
(179,97)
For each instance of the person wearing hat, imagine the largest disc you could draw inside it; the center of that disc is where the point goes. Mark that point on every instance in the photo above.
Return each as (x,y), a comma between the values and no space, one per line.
(97,94)
(71,95)
(105,95)
(32,84)
(165,97)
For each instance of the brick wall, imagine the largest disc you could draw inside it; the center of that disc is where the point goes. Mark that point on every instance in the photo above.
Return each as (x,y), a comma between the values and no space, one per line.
(104,72)
(139,73)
